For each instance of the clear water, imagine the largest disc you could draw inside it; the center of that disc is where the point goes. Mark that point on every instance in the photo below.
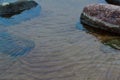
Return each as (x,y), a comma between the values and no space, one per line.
(2,1)
(23,16)
(61,51)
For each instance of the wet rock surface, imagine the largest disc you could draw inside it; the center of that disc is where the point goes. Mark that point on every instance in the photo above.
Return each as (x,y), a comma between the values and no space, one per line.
(9,9)
(116,2)
(105,37)
(102,16)
(115,43)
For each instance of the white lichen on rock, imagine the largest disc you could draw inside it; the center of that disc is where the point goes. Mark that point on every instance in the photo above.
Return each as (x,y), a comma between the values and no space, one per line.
(5,3)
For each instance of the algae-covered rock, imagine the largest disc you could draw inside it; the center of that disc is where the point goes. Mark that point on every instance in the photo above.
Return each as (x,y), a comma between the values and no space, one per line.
(10,9)
(116,2)
(102,16)
(115,43)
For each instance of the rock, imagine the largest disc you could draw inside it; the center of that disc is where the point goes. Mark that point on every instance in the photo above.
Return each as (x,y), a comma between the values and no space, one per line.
(102,16)
(10,9)
(114,43)
(116,2)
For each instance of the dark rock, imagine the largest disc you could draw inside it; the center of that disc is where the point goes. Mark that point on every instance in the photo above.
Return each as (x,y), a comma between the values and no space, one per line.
(116,2)
(10,9)
(23,16)
(102,16)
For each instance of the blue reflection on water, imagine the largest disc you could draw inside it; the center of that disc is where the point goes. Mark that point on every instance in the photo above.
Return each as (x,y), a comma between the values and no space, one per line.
(14,46)
(1,1)
(80,26)
(26,15)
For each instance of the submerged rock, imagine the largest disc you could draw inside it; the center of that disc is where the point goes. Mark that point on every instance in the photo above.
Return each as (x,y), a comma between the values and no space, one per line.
(10,9)
(116,2)
(102,16)
(115,43)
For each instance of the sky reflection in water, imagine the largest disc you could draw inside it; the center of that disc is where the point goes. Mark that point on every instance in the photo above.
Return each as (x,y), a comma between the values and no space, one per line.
(25,15)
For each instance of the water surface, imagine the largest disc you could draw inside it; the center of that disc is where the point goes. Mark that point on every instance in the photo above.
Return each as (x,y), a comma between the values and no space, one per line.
(62,52)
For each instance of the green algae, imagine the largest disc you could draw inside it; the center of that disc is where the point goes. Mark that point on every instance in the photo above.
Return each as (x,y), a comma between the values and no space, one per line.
(114,43)
(105,37)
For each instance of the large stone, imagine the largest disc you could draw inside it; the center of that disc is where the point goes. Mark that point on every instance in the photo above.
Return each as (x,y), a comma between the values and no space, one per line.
(102,16)
(10,9)
(116,2)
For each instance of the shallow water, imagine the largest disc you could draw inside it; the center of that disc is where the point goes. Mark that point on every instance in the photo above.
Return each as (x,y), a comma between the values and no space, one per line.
(21,17)
(61,51)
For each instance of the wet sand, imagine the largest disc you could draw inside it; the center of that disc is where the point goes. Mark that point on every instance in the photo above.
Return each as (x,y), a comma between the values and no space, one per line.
(61,52)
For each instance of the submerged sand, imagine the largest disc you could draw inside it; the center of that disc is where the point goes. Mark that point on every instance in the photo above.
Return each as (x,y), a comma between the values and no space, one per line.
(61,52)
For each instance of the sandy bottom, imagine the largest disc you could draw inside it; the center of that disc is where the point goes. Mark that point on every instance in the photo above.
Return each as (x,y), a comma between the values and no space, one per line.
(61,51)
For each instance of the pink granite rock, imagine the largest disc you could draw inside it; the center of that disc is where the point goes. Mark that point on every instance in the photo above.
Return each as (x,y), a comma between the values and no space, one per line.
(102,16)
